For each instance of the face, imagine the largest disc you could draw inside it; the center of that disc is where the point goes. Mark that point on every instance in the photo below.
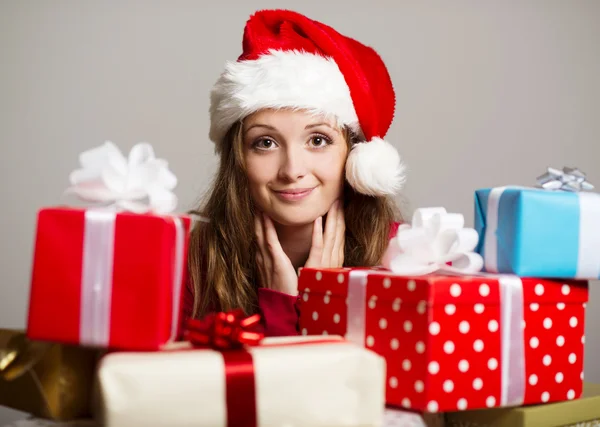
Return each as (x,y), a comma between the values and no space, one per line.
(295,164)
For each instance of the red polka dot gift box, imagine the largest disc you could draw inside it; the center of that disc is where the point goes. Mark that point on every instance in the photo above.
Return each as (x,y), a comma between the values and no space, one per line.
(456,342)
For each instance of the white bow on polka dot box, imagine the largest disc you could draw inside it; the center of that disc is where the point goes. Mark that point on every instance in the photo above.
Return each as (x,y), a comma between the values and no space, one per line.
(456,342)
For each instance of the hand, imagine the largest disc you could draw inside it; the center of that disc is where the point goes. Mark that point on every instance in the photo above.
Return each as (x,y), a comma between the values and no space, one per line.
(274,267)
(330,252)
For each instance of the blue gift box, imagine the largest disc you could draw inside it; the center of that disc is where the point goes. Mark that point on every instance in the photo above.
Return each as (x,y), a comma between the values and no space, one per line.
(535,232)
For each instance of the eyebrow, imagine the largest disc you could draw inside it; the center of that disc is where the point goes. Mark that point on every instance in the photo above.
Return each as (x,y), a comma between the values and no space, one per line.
(313,125)
(260,125)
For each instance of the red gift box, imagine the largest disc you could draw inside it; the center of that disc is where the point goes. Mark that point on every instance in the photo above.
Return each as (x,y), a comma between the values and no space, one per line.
(107,279)
(456,342)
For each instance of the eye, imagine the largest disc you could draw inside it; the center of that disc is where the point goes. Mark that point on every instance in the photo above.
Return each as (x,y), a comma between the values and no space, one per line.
(264,144)
(320,141)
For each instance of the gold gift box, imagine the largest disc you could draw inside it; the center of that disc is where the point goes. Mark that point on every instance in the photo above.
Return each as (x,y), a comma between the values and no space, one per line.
(578,412)
(47,380)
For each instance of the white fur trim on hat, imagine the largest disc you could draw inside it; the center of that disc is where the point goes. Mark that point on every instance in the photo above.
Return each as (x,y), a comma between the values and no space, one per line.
(374,168)
(280,79)
(312,83)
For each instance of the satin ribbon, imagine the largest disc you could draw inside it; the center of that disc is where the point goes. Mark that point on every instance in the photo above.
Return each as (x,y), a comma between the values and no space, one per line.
(97,273)
(357,310)
(139,183)
(230,333)
(512,341)
(511,316)
(436,241)
(224,330)
(96,277)
(567,179)
(588,261)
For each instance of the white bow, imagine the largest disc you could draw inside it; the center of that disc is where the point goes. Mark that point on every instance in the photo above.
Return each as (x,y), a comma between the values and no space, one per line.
(435,239)
(139,183)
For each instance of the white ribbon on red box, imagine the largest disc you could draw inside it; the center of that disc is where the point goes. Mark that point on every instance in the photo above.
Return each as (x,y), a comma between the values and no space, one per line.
(139,184)
(512,358)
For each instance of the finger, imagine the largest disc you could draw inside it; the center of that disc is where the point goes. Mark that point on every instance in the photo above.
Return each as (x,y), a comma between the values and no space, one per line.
(260,234)
(342,234)
(258,230)
(341,253)
(316,248)
(329,237)
(260,238)
(272,240)
(262,278)
(282,271)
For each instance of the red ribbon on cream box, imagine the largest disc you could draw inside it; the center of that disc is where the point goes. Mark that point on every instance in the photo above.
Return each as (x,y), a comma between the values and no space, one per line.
(228,375)
(109,274)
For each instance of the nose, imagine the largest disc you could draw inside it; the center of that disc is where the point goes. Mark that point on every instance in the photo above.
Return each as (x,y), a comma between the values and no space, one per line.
(293,164)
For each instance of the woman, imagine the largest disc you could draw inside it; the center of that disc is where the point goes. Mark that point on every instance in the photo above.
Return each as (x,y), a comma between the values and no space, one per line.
(305,178)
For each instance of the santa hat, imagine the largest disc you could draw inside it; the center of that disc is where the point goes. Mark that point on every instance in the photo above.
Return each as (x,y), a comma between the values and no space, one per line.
(291,61)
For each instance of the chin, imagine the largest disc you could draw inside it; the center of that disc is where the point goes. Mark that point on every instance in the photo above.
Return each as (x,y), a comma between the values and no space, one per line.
(290,217)
(292,221)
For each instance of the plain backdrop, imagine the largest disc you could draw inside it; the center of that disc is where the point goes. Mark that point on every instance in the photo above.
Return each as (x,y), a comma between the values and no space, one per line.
(488,93)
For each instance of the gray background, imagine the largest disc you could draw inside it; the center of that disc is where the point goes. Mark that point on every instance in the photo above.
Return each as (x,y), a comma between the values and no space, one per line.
(489,93)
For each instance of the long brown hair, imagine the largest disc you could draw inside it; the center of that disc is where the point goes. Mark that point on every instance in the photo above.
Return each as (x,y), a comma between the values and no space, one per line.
(222,263)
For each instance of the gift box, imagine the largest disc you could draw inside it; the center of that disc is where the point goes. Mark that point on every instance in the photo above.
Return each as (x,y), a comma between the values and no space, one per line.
(581,412)
(107,279)
(455,342)
(47,380)
(294,382)
(111,274)
(402,418)
(535,232)
(40,422)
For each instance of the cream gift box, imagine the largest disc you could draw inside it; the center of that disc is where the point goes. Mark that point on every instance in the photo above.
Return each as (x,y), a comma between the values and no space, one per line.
(298,382)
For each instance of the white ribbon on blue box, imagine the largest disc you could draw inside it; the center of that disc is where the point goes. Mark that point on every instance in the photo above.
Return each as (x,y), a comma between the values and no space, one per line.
(549,232)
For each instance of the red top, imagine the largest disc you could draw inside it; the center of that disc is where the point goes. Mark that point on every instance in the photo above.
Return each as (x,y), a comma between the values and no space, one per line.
(279,310)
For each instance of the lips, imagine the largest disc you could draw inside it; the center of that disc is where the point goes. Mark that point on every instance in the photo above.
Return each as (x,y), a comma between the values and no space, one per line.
(294,191)
(294,194)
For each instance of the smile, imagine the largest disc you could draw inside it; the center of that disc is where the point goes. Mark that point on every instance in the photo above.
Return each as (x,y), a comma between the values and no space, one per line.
(294,194)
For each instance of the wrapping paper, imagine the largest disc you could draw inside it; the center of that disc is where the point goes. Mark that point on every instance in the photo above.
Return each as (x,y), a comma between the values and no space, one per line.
(107,279)
(38,422)
(534,232)
(456,342)
(298,383)
(584,412)
(50,381)
(402,418)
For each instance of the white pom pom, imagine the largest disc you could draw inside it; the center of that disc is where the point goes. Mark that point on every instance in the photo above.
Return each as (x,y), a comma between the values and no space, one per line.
(374,168)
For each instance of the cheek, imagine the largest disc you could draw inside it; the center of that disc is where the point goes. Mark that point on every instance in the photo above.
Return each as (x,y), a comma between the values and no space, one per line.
(330,169)
(260,172)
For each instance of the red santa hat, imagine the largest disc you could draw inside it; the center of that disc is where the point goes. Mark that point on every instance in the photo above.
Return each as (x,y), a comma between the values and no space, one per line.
(291,61)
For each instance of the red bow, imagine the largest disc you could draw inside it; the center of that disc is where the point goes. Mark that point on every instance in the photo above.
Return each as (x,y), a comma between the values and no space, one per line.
(224,330)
